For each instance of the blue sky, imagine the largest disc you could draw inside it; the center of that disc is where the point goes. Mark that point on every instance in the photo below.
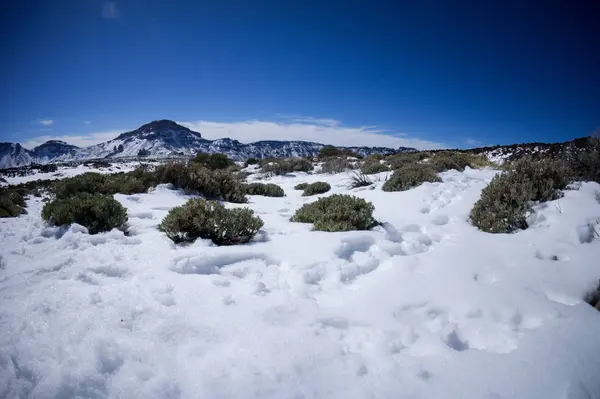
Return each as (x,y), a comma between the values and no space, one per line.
(423,73)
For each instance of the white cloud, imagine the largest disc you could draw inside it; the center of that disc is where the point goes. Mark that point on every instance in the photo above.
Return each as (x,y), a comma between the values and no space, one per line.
(78,140)
(325,131)
(46,122)
(87,122)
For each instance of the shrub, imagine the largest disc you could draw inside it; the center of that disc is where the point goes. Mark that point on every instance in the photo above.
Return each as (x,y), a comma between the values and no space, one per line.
(251,161)
(195,178)
(300,186)
(96,212)
(506,202)
(267,190)
(335,165)
(410,176)
(586,164)
(289,165)
(12,203)
(330,151)
(213,161)
(359,179)
(397,161)
(593,297)
(199,218)
(337,213)
(89,182)
(319,187)
(447,160)
(373,166)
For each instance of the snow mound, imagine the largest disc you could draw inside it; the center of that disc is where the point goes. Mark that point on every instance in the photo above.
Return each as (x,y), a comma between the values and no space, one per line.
(424,306)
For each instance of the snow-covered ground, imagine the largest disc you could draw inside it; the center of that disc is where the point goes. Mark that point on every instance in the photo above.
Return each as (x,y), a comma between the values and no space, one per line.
(426,306)
(69,171)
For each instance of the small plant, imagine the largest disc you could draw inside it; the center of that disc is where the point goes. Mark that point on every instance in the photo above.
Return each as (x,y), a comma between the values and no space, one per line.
(337,213)
(213,161)
(359,179)
(586,164)
(95,211)
(447,160)
(410,176)
(89,182)
(199,218)
(251,161)
(267,190)
(300,186)
(319,187)
(593,298)
(12,203)
(330,151)
(335,165)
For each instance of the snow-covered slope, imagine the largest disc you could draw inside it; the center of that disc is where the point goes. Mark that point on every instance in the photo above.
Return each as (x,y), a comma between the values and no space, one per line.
(425,306)
(165,138)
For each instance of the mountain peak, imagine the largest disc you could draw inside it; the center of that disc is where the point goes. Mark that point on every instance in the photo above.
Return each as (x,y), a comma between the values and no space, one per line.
(162,124)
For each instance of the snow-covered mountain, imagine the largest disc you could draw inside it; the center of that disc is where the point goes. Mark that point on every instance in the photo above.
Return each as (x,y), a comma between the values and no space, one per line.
(165,138)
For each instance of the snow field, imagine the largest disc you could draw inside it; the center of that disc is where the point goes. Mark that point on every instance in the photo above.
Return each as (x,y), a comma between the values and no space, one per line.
(425,306)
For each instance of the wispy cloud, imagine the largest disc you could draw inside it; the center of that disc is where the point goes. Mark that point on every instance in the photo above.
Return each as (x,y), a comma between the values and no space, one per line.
(78,140)
(326,131)
(46,122)
(110,10)
(87,122)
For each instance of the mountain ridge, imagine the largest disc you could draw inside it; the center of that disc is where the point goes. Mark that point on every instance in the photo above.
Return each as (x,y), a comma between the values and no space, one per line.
(165,138)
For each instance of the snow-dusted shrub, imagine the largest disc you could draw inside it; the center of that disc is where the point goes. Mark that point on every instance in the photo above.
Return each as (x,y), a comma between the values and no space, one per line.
(397,161)
(199,218)
(447,160)
(213,161)
(300,186)
(593,298)
(267,190)
(372,166)
(337,212)
(319,187)
(287,165)
(97,212)
(251,161)
(506,202)
(136,181)
(410,176)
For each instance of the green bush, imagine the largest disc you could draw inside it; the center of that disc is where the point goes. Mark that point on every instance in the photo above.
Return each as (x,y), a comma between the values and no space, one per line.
(213,161)
(337,213)
(195,178)
(447,160)
(96,212)
(410,176)
(199,218)
(267,190)
(137,181)
(335,165)
(89,182)
(397,161)
(288,165)
(507,201)
(319,187)
(330,151)
(300,186)
(586,164)
(12,203)
(251,161)
(371,167)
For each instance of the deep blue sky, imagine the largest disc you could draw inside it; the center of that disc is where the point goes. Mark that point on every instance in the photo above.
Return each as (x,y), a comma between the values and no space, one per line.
(441,71)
